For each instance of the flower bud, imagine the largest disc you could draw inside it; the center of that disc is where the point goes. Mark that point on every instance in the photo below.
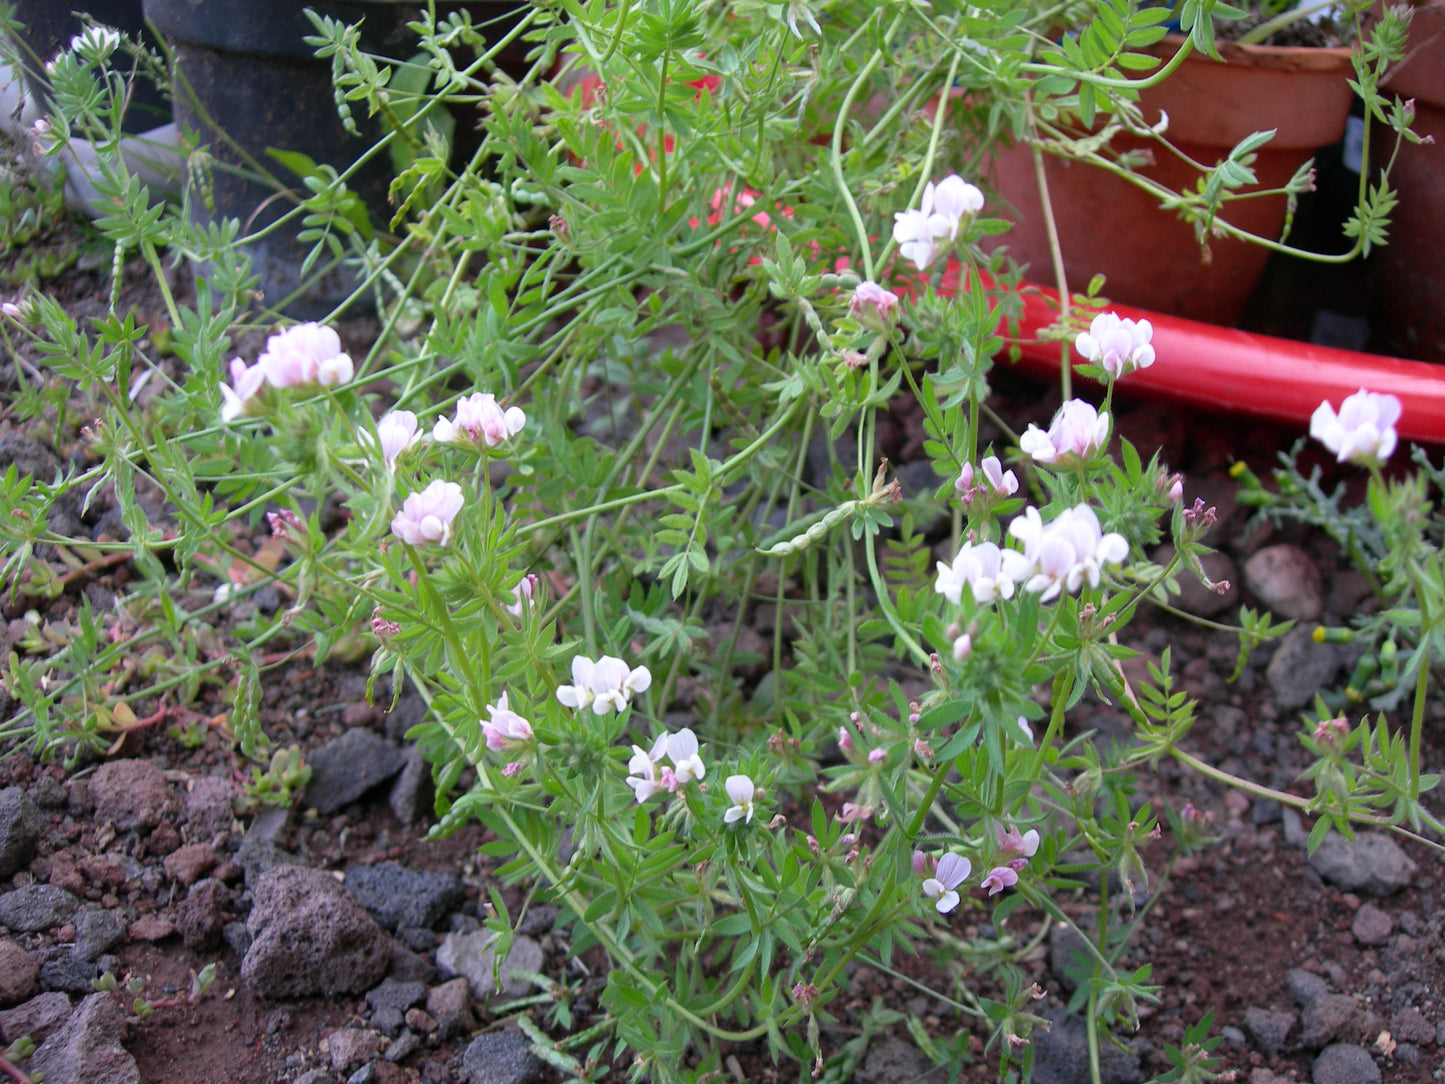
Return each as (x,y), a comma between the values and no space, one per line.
(874,307)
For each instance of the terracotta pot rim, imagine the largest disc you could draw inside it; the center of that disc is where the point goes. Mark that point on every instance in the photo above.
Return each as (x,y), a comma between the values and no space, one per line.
(1293,58)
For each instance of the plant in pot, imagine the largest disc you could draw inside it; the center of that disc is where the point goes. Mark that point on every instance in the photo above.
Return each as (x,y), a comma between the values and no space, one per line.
(658,338)
(1200,172)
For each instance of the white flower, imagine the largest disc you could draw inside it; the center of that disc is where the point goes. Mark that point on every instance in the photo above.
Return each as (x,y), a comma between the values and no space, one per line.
(988,572)
(606,685)
(396,431)
(953,870)
(505,728)
(1363,431)
(741,790)
(924,233)
(1116,345)
(642,769)
(241,396)
(1076,433)
(95,43)
(1066,552)
(481,421)
(426,517)
(682,751)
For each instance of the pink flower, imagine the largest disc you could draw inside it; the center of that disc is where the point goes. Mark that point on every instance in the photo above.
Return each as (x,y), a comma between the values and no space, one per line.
(681,748)
(396,432)
(996,483)
(952,871)
(1076,433)
(1364,430)
(877,755)
(874,307)
(1116,345)
(481,421)
(524,593)
(242,397)
(962,647)
(999,878)
(426,517)
(845,740)
(505,728)
(304,355)
(1013,845)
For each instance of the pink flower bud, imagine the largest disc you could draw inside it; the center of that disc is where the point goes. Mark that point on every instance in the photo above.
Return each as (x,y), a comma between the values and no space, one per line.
(874,307)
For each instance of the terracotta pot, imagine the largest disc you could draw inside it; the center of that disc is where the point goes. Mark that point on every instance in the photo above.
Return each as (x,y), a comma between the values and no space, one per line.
(1151,258)
(1409,273)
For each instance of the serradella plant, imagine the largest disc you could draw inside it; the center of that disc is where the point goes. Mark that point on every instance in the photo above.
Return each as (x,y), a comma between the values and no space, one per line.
(689,268)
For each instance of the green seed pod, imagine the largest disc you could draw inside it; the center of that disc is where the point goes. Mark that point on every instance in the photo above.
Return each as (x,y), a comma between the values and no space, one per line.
(815,533)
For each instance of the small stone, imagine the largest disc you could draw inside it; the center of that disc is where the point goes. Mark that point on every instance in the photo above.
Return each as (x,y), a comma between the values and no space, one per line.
(190,863)
(1373,863)
(315,1076)
(36,907)
(501,1057)
(129,794)
(1323,1018)
(87,1048)
(37,1018)
(310,937)
(351,1046)
(405,1046)
(1061,1054)
(396,896)
(163,839)
(413,792)
(201,916)
(257,855)
(389,1003)
(450,1005)
(1268,1028)
(890,1060)
(101,870)
(1372,926)
(1287,581)
(1306,986)
(1300,668)
(45,792)
(420,1020)
(408,966)
(1345,1064)
(20,827)
(97,932)
(19,974)
(150,928)
(1410,1026)
(1068,956)
(68,973)
(347,767)
(469,955)
(209,808)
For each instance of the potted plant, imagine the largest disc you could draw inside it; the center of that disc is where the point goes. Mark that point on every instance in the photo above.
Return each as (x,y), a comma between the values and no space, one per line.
(1199,176)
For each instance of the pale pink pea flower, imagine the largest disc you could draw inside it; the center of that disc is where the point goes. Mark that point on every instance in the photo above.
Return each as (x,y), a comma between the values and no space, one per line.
(1013,846)
(999,878)
(1076,433)
(426,517)
(605,685)
(1116,345)
(996,483)
(524,592)
(303,355)
(480,420)
(987,571)
(504,728)
(952,871)
(396,431)
(925,233)
(873,306)
(1363,431)
(242,396)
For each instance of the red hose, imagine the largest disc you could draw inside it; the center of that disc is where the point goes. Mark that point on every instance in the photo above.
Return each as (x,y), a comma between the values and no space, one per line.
(1237,371)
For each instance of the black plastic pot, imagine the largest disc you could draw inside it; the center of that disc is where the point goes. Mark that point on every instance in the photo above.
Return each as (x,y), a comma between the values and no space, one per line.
(48,26)
(243,66)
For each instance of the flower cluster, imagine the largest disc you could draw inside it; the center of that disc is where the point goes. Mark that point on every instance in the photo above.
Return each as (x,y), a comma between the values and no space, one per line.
(1056,557)
(426,517)
(647,775)
(605,685)
(1076,433)
(927,232)
(479,420)
(1116,345)
(302,356)
(873,306)
(997,484)
(1364,429)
